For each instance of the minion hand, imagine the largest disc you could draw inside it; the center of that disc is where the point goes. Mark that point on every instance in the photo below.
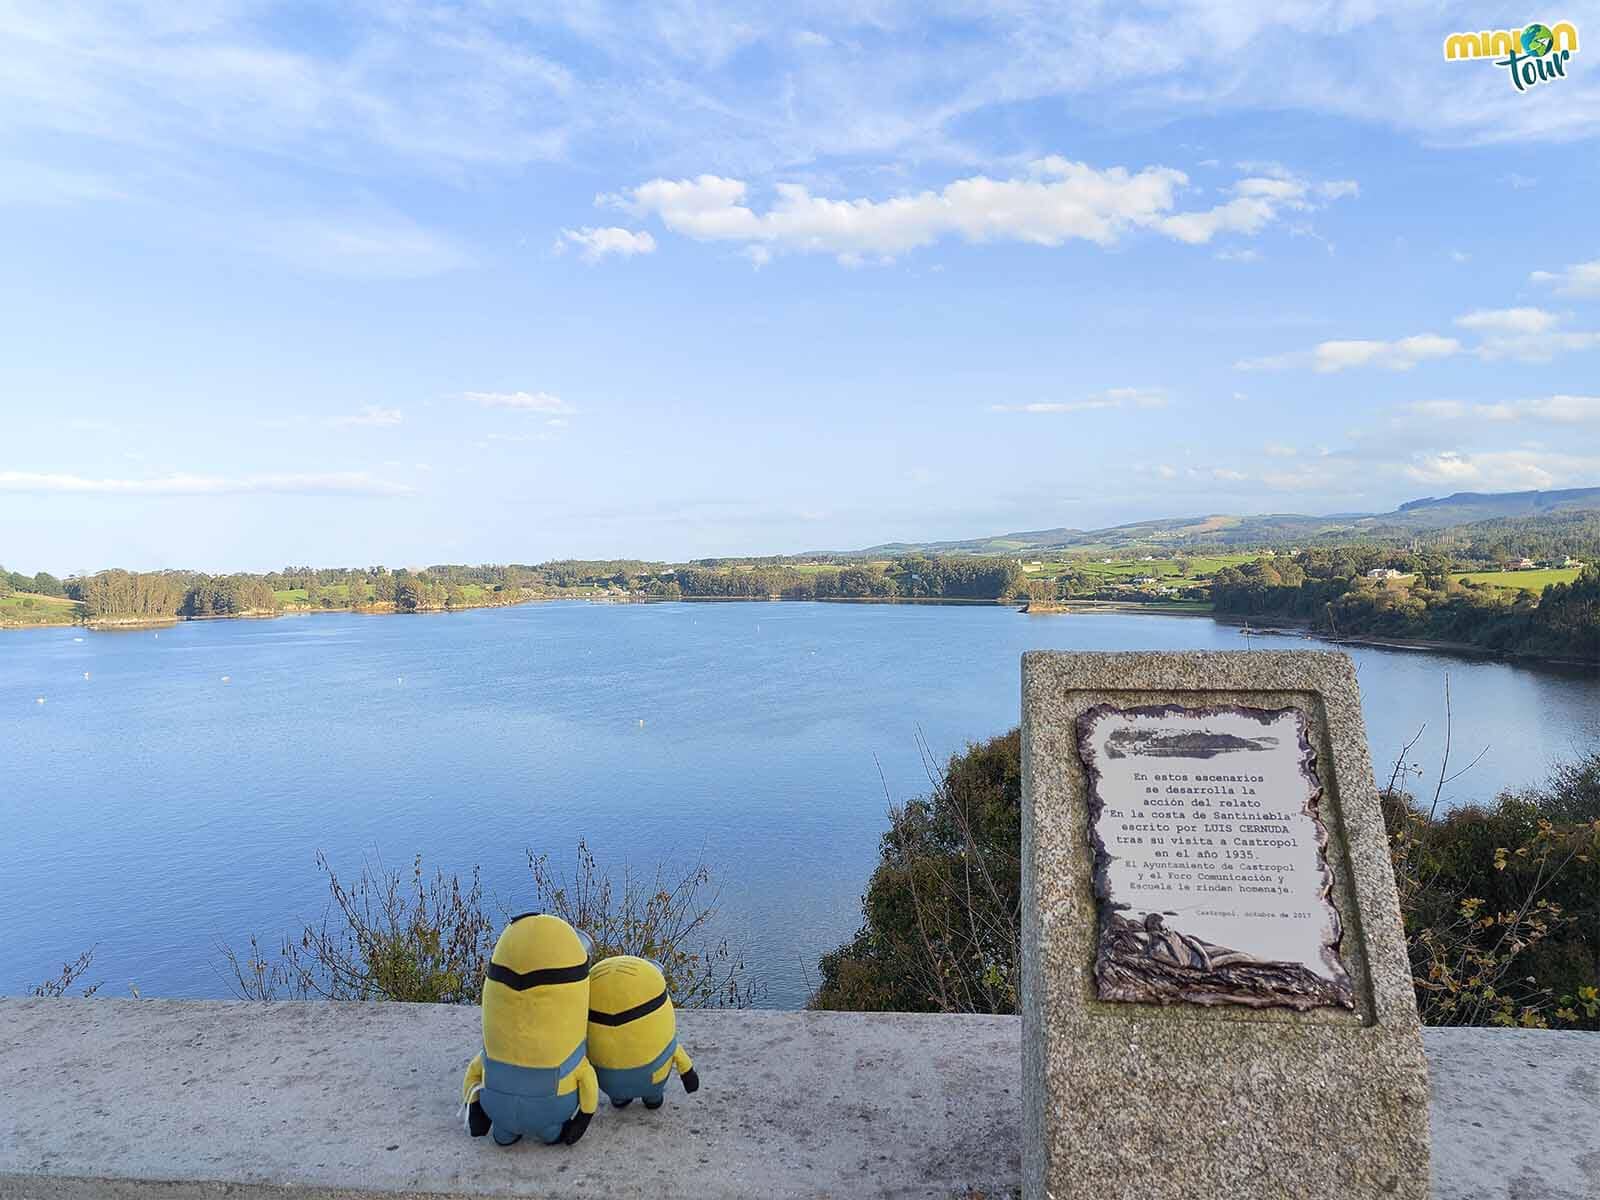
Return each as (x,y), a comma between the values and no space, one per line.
(477,1119)
(691,1081)
(573,1129)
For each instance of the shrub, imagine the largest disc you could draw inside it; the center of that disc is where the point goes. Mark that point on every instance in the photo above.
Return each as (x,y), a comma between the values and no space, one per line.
(70,973)
(380,938)
(1502,909)
(1501,903)
(665,917)
(943,908)
(386,937)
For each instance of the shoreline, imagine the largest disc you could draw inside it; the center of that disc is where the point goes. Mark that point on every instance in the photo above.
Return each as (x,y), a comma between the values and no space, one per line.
(1301,628)
(1067,608)
(1288,627)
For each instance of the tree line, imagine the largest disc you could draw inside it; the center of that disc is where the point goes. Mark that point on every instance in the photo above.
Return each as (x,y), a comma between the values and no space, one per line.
(41,584)
(1500,899)
(1329,590)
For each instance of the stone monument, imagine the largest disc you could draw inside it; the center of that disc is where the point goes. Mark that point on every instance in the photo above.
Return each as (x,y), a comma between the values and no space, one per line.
(1217,1001)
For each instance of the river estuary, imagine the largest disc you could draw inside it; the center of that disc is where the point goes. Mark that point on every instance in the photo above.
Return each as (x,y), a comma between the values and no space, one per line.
(174,786)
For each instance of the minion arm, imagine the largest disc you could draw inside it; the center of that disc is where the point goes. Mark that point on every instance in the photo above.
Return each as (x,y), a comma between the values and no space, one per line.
(588,1098)
(473,1080)
(686,1071)
(477,1120)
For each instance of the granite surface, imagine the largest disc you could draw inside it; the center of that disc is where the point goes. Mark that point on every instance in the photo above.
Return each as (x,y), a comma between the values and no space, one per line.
(184,1099)
(198,1099)
(1158,1103)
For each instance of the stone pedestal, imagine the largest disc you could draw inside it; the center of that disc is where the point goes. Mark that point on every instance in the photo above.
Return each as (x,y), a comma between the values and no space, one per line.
(1197,1027)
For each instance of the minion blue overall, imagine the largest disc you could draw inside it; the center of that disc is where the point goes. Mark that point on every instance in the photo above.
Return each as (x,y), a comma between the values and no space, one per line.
(532,1076)
(633,1033)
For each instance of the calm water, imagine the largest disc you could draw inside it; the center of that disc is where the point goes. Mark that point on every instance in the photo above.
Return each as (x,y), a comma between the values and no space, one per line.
(151,809)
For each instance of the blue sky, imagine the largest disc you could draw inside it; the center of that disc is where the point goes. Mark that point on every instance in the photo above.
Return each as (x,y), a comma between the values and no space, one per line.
(411,283)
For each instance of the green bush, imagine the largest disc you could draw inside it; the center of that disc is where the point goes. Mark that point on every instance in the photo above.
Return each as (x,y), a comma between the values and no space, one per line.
(387,936)
(943,907)
(1501,902)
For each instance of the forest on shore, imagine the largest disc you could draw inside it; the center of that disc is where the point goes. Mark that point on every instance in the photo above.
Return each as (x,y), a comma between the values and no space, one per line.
(1331,592)
(1453,596)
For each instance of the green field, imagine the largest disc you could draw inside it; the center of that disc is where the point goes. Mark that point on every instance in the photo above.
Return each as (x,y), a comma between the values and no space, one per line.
(25,608)
(1528,581)
(1184,569)
(337,595)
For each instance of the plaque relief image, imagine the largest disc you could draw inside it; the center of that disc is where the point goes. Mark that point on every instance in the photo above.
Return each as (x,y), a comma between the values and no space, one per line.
(1209,858)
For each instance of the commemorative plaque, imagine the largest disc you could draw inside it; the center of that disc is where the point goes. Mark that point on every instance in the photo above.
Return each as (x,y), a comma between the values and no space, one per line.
(1210,858)
(1216,992)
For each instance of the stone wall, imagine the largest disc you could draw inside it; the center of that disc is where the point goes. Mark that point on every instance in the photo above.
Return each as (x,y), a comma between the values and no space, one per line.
(130,1099)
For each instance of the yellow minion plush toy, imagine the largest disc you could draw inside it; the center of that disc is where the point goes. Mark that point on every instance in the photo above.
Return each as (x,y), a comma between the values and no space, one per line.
(532,1076)
(633,1034)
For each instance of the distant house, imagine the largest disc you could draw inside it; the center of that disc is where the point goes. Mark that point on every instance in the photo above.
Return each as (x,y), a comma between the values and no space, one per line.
(1145,581)
(1384,573)
(1571,563)
(1522,564)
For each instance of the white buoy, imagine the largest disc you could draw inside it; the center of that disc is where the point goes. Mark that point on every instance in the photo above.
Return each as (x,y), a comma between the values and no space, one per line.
(40,700)
(227,679)
(641,722)
(77,639)
(86,674)
(400,679)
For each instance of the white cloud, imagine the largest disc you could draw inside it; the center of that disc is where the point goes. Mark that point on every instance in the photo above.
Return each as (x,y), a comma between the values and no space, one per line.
(1278,450)
(1510,469)
(1054,202)
(1508,320)
(1251,255)
(1558,409)
(1580,279)
(1460,256)
(1527,334)
(1228,476)
(1567,409)
(596,243)
(337,483)
(1327,357)
(1399,355)
(1111,398)
(542,402)
(370,417)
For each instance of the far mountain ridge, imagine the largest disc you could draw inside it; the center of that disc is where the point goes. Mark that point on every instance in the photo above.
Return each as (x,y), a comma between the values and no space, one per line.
(1425,515)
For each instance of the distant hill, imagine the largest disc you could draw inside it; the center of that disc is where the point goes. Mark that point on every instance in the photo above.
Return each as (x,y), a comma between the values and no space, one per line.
(1464,508)
(1427,515)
